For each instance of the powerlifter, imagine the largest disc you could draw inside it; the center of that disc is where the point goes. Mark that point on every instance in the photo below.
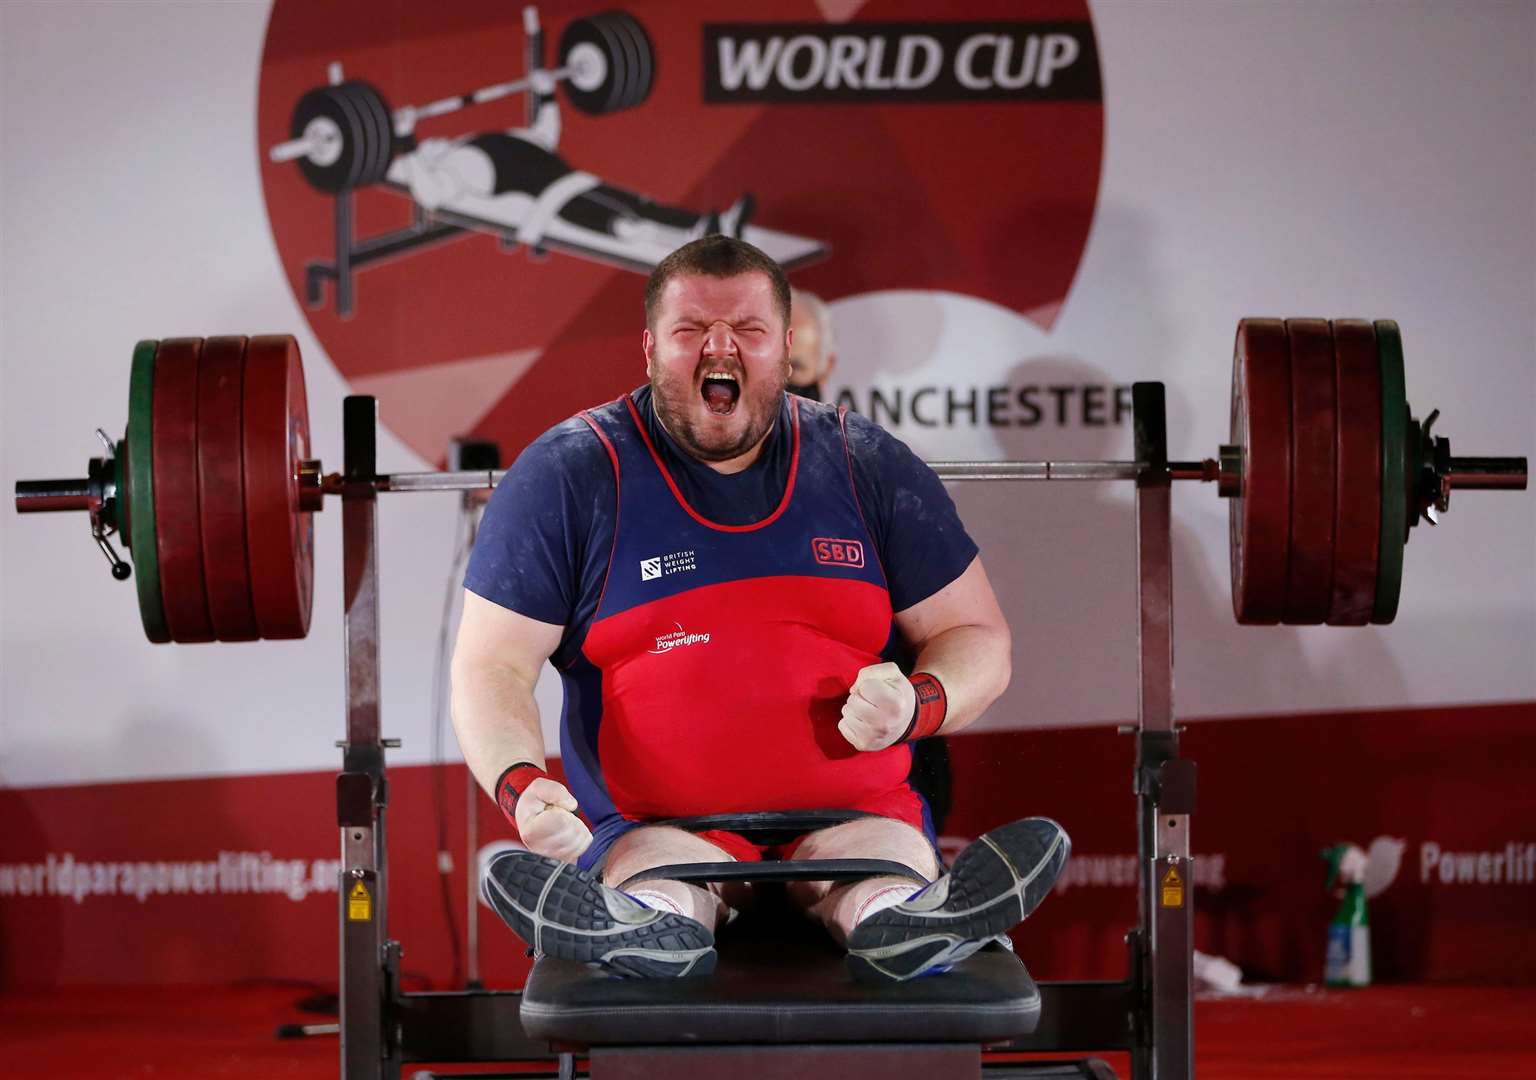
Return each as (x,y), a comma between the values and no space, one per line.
(722,572)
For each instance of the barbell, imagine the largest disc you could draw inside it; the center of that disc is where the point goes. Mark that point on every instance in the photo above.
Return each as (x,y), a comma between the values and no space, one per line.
(213,489)
(345,135)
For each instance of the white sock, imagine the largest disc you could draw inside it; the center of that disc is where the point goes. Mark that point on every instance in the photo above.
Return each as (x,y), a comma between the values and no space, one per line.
(658,900)
(881,899)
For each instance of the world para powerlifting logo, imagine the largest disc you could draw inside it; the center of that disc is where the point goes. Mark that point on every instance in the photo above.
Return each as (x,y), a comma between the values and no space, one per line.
(677,639)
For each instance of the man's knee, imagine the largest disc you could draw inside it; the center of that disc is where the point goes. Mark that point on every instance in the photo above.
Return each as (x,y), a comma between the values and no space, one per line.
(872,838)
(656,845)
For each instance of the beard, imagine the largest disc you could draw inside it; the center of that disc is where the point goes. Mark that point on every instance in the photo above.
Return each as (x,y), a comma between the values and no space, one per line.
(709,436)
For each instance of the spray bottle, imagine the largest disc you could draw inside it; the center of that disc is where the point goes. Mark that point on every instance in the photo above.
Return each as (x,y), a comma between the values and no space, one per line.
(1348,960)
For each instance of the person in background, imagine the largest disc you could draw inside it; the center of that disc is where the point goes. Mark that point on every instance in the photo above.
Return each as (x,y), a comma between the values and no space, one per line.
(814,351)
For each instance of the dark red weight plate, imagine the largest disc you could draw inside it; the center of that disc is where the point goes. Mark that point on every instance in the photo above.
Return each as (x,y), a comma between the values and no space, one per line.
(221,488)
(178,527)
(279,535)
(1260,516)
(1357,520)
(1314,474)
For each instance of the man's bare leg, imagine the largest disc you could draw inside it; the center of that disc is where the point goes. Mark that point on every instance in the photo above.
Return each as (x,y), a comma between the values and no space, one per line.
(840,907)
(661,845)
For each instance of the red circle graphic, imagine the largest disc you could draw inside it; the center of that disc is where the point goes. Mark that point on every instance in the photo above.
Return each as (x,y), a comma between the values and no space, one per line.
(495,280)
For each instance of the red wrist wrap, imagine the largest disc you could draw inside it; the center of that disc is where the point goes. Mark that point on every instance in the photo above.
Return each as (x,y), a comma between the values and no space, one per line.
(929,708)
(512,782)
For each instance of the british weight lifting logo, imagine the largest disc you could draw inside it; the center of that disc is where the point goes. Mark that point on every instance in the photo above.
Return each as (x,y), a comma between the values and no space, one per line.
(659,566)
(474,260)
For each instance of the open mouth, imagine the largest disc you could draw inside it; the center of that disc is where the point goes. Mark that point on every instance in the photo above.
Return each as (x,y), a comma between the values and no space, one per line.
(720,392)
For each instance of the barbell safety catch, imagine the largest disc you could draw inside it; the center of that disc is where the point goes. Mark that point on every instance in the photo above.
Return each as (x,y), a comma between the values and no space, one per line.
(1440,472)
(121,571)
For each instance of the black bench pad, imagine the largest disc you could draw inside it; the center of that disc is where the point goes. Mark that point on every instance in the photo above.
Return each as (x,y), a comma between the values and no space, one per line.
(785,984)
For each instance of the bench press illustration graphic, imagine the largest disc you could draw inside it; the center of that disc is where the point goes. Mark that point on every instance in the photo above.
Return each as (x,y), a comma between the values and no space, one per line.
(511,184)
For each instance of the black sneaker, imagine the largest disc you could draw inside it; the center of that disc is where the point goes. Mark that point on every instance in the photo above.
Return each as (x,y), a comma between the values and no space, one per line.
(569,914)
(994,885)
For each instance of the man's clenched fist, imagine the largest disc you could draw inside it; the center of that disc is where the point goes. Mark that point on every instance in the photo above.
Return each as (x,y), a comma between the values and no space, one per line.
(879,707)
(547,823)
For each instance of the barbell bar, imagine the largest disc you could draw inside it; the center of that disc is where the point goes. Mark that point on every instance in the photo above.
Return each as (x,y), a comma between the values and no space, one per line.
(213,489)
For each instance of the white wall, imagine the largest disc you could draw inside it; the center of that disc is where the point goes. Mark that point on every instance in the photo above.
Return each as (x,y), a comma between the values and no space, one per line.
(1346,160)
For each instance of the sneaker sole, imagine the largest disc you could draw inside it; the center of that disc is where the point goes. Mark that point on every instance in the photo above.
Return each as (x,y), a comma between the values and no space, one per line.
(994,885)
(563,912)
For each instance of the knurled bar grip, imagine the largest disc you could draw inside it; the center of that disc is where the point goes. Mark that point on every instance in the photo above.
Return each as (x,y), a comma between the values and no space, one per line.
(946,470)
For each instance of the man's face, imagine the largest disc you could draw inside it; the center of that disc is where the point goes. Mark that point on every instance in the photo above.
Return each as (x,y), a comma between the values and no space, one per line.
(805,354)
(718,361)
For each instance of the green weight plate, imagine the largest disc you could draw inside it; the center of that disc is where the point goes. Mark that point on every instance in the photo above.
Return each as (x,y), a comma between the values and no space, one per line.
(120,499)
(141,491)
(1394,472)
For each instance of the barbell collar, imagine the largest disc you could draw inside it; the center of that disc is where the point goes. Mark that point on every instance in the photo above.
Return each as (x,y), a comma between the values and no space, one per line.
(1229,473)
(311,486)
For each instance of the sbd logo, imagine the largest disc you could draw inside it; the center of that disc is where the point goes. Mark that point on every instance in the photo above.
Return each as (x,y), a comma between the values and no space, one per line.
(838,552)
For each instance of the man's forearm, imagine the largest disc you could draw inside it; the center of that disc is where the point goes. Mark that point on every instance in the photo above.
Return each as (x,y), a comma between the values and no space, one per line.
(974,664)
(497,722)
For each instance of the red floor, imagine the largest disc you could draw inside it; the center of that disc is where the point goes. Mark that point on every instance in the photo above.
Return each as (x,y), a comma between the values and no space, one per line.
(1392,1031)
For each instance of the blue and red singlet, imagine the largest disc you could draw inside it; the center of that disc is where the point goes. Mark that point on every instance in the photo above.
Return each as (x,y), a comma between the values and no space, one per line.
(714,623)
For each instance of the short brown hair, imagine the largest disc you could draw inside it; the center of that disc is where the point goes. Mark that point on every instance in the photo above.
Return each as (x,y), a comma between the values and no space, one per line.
(716,256)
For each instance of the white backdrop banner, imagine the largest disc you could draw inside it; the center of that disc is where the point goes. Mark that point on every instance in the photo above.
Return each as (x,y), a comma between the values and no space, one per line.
(1077,197)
